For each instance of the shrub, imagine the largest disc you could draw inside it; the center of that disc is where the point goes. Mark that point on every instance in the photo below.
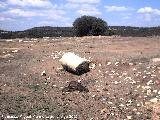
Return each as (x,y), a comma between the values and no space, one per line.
(89,25)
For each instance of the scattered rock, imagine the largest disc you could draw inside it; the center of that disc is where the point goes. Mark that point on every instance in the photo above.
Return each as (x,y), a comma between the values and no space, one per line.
(129,117)
(108,63)
(14,51)
(43,73)
(156,59)
(6,56)
(92,66)
(154,100)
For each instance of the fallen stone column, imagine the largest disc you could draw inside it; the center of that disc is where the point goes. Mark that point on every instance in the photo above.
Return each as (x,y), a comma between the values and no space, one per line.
(75,64)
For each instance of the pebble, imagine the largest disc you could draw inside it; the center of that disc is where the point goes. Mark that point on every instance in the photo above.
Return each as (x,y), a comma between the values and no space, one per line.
(148,73)
(146,87)
(134,109)
(129,117)
(138,86)
(138,113)
(155,91)
(130,64)
(116,82)
(93,95)
(110,103)
(121,105)
(154,100)
(14,51)
(100,65)
(133,82)
(116,63)
(138,105)
(106,72)
(134,69)
(148,92)
(108,63)
(149,82)
(144,76)
(43,73)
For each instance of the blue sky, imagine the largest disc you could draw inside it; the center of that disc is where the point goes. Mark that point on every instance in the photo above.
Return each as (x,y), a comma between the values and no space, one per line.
(24,14)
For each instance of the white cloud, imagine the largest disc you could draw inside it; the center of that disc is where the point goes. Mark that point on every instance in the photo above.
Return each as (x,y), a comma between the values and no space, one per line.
(3,5)
(116,8)
(6,19)
(51,14)
(23,13)
(33,3)
(149,10)
(84,1)
(87,9)
(40,15)
(148,14)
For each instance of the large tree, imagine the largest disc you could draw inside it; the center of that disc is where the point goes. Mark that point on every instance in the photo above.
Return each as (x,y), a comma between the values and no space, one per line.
(89,25)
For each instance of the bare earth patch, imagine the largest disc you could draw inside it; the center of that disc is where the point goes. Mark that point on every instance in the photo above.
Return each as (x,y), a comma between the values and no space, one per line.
(124,84)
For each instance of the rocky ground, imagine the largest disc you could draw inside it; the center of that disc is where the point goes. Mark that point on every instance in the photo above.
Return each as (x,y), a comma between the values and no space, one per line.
(123,85)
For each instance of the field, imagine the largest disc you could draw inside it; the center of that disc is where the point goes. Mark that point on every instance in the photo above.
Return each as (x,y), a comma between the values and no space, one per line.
(124,84)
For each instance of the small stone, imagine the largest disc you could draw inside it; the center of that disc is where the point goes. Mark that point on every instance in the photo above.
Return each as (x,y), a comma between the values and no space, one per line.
(154,100)
(134,109)
(156,59)
(116,82)
(100,65)
(146,87)
(106,72)
(138,105)
(134,69)
(110,103)
(43,73)
(138,113)
(148,92)
(148,73)
(14,51)
(129,117)
(144,76)
(149,82)
(116,63)
(93,96)
(108,63)
(130,64)
(92,66)
(155,91)
(130,101)
(120,76)
(121,105)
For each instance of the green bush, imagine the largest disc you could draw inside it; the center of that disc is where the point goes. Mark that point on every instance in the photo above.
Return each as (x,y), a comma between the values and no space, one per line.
(89,25)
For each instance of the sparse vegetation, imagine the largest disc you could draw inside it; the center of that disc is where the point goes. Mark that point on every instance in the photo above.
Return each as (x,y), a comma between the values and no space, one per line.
(89,25)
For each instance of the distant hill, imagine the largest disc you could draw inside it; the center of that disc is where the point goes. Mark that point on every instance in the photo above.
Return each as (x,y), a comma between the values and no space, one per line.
(48,31)
(135,31)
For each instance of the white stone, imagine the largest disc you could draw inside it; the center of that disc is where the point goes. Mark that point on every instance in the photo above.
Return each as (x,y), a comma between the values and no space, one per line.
(154,100)
(108,63)
(129,117)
